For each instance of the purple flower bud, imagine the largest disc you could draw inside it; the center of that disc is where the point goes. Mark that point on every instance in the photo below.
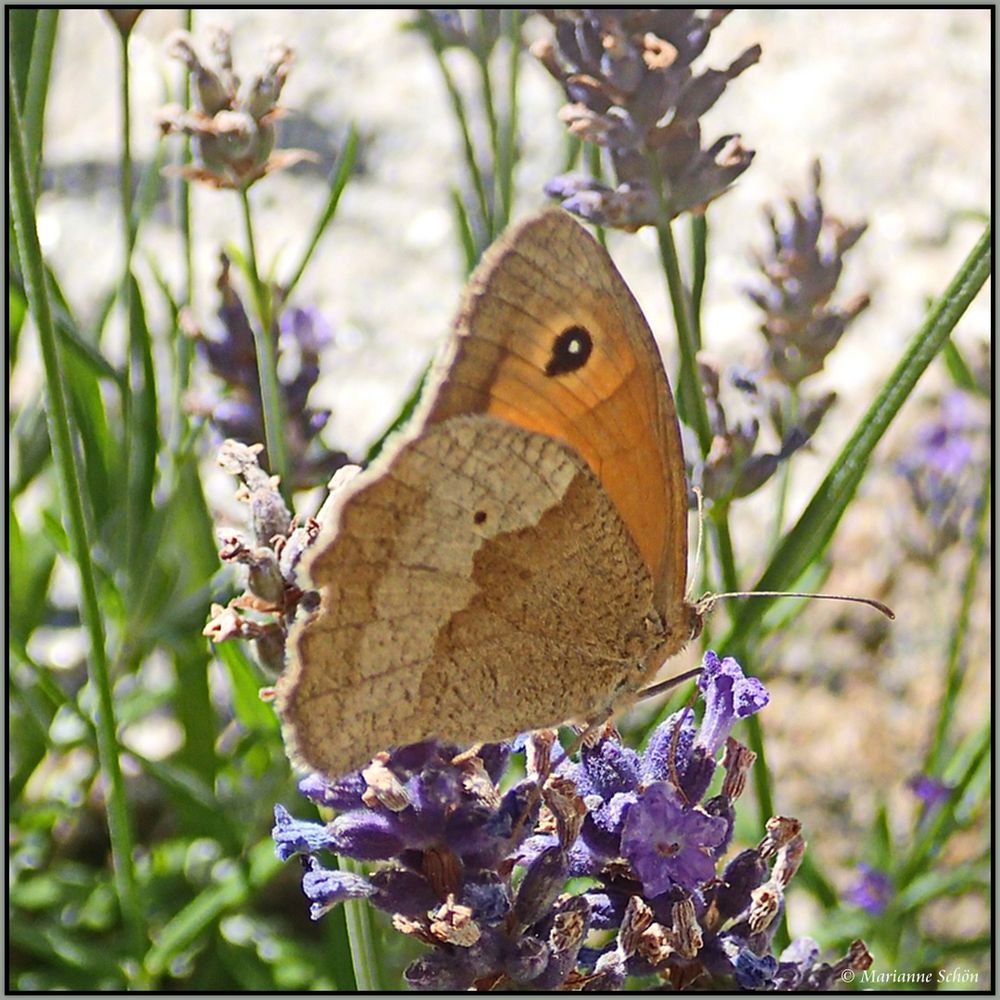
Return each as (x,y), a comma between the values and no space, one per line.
(746,872)
(294,836)
(494,757)
(397,890)
(794,964)
(722,806)
(520,805)
(602,827)
(486,895)
(729,696)
(698,774)
(608,768)
(662,759)
(308,326)
(366,835)
(932,792)
(325,888)
(544,880)
(340,795)
(753,972)
(606,908)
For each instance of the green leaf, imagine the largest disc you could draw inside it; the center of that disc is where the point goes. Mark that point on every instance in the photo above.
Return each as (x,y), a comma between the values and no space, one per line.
(254,714)
(37,89)
(143,429)
(30,561)
(943,882)
(401,419)
(338,181)
(465,235)
(195,919)
(958,368)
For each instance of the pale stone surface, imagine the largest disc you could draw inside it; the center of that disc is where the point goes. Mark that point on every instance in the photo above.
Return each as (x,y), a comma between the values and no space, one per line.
(896,103)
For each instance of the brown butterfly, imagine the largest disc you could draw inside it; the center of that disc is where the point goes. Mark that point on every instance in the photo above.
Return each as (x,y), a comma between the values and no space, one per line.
(517,556)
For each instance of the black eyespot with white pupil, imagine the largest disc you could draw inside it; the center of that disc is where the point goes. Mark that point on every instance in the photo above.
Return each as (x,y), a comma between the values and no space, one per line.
(570,351)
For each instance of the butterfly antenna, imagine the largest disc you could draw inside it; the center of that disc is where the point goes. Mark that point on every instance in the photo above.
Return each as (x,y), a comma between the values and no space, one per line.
(707,602)
(701,535)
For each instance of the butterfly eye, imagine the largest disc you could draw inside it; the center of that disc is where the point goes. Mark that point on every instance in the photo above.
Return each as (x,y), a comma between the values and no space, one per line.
(570,351)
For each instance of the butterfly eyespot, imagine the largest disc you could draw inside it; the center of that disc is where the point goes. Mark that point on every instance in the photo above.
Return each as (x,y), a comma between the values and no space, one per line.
(570,351)
(479,517)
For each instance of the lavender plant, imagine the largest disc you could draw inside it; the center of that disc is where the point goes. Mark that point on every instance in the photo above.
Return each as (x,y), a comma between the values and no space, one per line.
(231,354)
(474,871)
(233,127)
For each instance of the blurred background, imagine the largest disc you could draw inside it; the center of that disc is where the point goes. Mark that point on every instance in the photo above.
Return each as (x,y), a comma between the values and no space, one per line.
(897,107)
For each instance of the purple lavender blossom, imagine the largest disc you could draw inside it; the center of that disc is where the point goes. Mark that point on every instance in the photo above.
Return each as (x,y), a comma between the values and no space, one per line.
(945,470)
(632,91)
(480,874)
(231,353)
(729,697)
(873,891)
(667,841)
(800,271)
(931,791)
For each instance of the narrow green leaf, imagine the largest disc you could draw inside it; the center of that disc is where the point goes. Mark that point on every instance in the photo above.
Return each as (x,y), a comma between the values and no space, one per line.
(958,368)
(254,714)
(195,919)
(338,181)
(20,43)
(401,419)
(943,882)
(465,235)
(144,430)
(60,433)
(37,90)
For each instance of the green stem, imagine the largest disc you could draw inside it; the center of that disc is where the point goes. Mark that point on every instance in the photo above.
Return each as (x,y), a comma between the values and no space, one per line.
(955,674)
(39,74)
(263,334)
(183,343)
(697,412)
(458,106)
(184,188)
(724,550)
(125,96)
(483,62)
(508,135)
(784,475)
(133,368)
(359,932)
(595,165)
(699,270)
(70,483)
